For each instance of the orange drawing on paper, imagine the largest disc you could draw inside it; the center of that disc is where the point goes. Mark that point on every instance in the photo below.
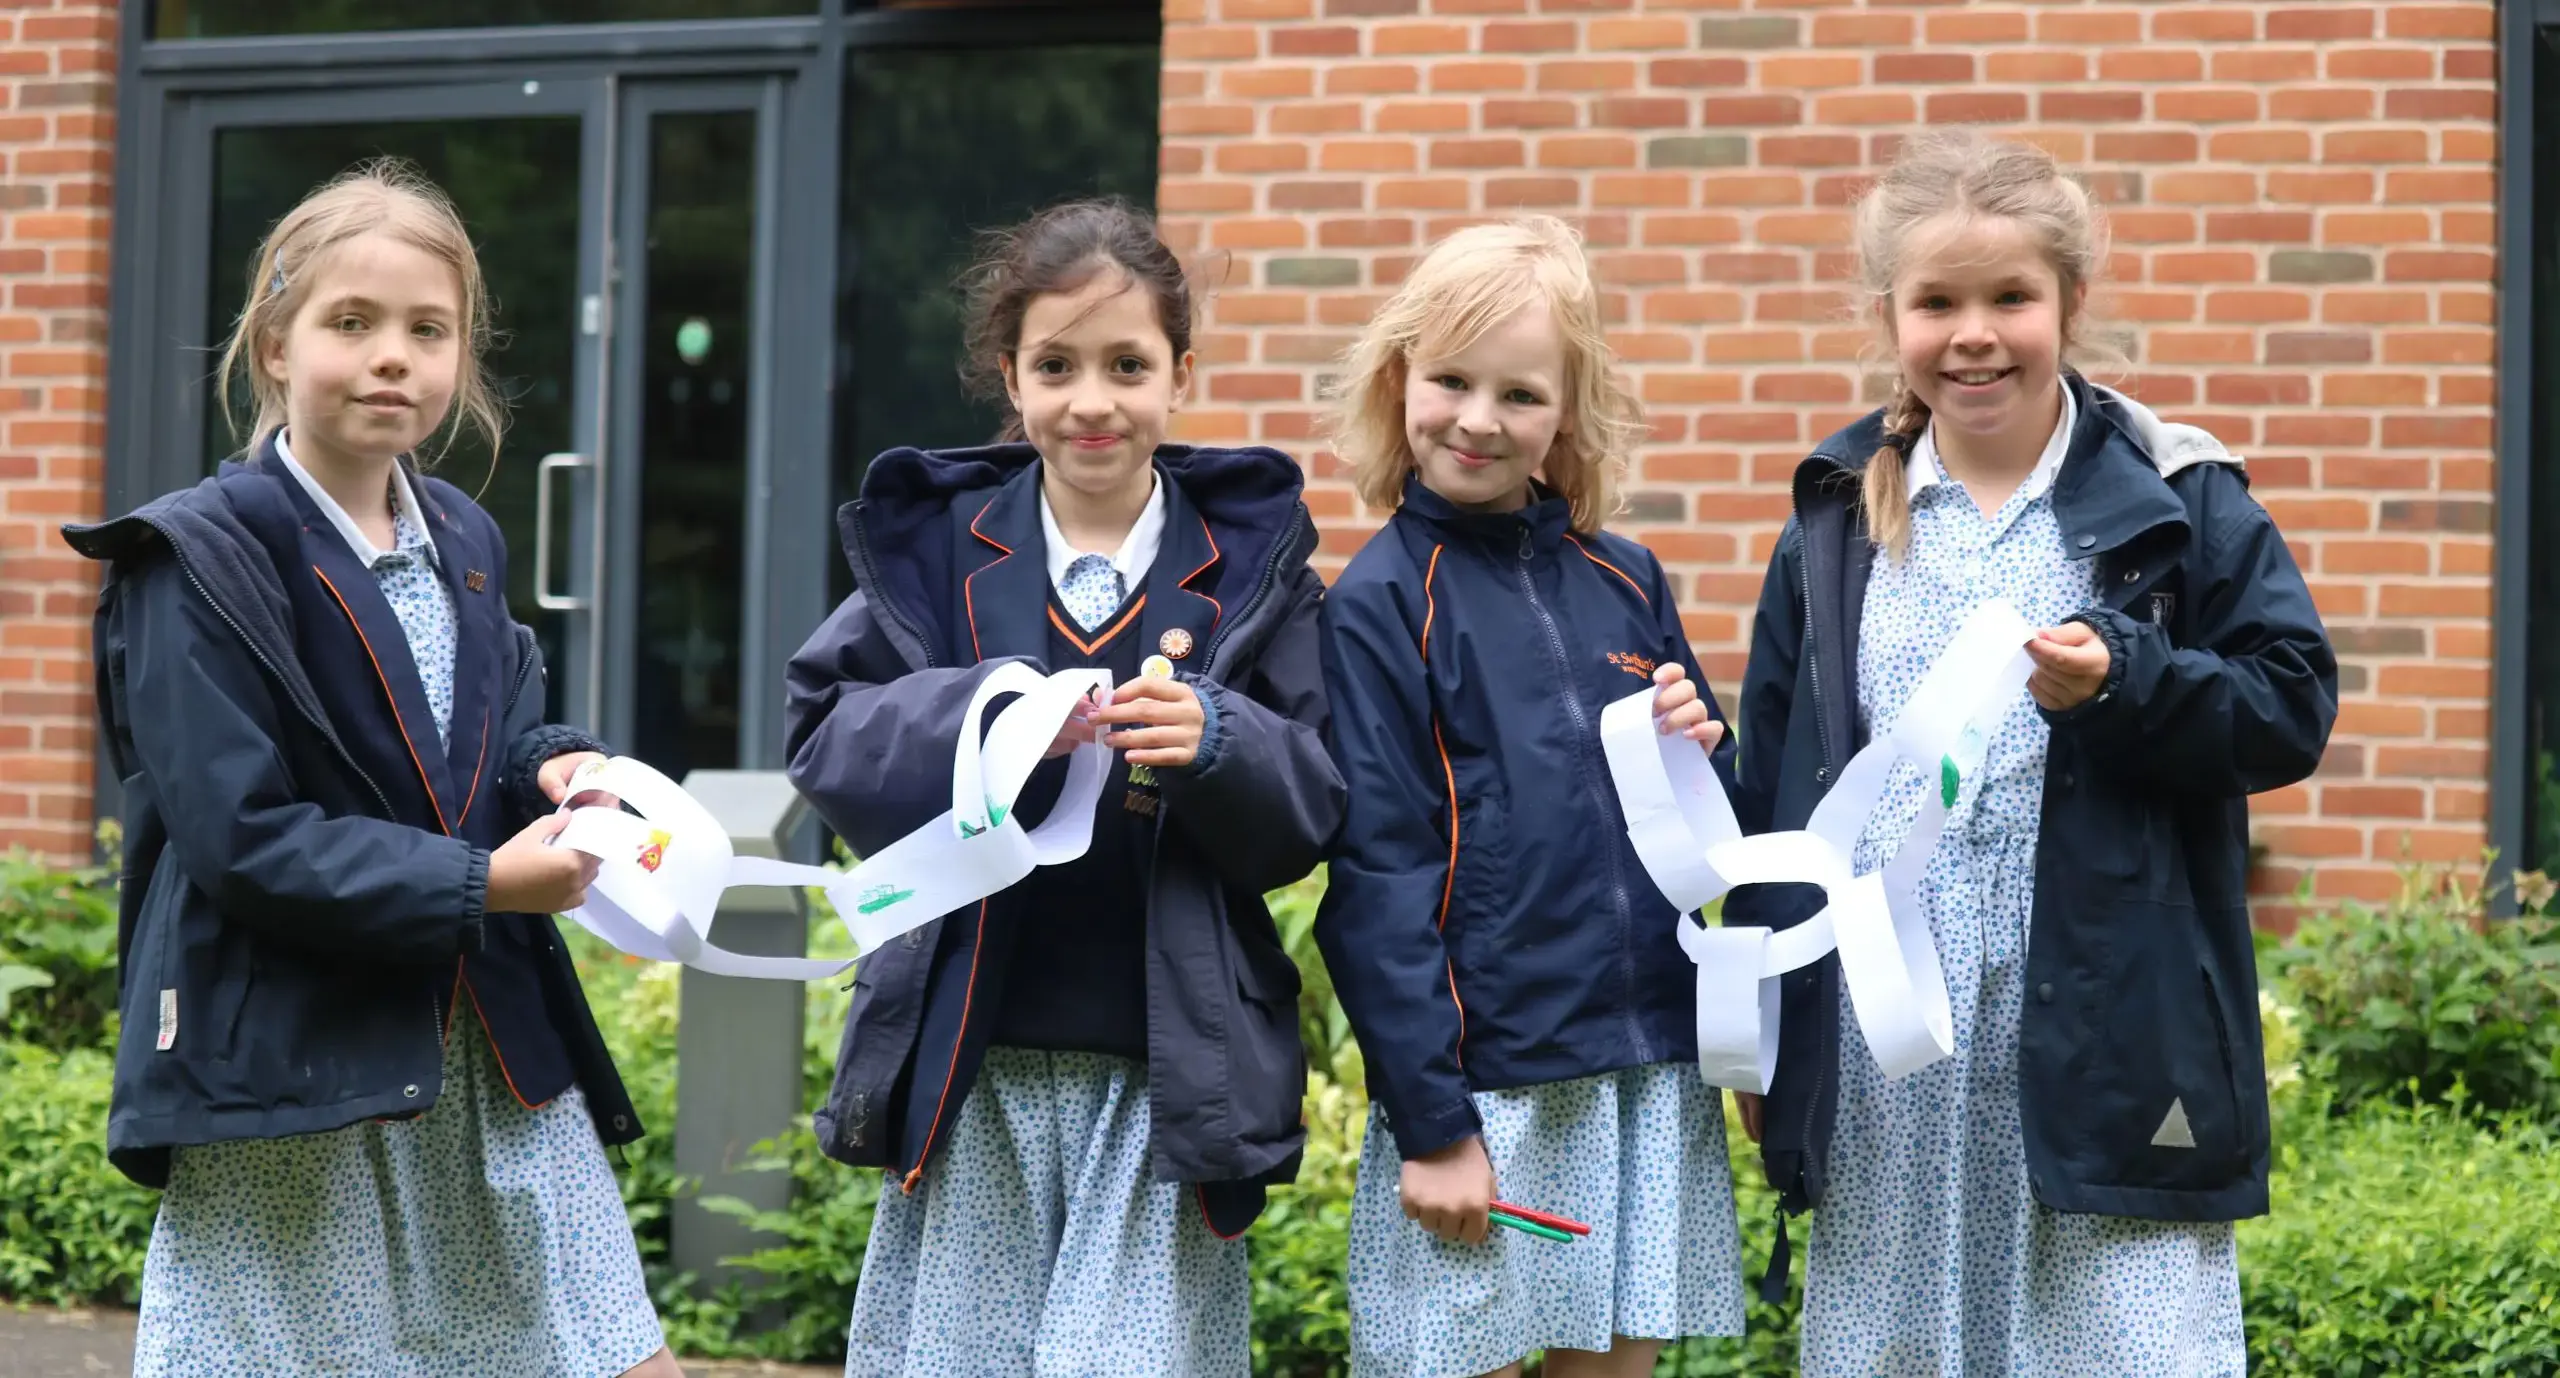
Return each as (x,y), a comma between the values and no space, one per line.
(656,851)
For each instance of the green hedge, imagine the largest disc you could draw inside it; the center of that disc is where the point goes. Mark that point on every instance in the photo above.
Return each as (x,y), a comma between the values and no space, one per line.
(2408,1236)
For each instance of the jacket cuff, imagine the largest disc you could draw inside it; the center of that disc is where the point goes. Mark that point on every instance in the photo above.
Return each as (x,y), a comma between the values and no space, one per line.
(2109,625)
(474,933)
(1213,730)
(1436,1129)
(524,788)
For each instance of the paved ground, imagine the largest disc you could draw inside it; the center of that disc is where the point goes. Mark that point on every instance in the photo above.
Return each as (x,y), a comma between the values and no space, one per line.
(43,1343)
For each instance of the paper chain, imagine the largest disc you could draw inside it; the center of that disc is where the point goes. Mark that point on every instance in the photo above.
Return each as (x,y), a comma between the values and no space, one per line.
(664,871)
(1685,833)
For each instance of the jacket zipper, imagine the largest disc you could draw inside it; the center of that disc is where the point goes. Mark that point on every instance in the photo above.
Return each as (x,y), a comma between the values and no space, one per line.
(1280,551)
(1583,733)
(524,671)
(867,577)
(1830,1055)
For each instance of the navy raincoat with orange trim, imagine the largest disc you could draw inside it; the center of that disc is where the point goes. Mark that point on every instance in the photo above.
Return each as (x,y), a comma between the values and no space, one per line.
(304,871)
(951,580)
(1487,924)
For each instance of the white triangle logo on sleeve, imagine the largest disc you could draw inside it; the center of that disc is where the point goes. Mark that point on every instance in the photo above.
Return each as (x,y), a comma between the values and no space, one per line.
(2173,1131)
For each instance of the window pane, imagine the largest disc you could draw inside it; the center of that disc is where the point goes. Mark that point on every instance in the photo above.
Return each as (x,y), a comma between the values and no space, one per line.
(938,146)
(2542,639)
(240,18)
(694,406)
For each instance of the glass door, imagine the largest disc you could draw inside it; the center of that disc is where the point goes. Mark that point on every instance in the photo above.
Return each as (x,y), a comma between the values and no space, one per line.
(624,231)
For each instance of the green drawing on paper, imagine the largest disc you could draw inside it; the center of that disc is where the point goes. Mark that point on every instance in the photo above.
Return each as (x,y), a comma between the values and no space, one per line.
(880,897)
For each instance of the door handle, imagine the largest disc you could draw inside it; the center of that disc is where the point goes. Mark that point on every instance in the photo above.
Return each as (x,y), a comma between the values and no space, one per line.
(542,594)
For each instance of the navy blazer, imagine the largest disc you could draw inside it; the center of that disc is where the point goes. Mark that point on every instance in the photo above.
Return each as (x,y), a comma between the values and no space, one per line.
(951,580)
(305,870)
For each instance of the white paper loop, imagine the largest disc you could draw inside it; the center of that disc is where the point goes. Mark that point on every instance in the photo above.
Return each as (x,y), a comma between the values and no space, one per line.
(663,872)
(1684,831)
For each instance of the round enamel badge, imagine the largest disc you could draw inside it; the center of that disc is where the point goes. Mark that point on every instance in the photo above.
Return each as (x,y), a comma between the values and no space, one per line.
(1155,667)
(1175,642)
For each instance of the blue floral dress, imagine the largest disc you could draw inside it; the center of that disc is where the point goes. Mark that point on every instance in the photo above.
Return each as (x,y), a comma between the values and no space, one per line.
(1929,1255)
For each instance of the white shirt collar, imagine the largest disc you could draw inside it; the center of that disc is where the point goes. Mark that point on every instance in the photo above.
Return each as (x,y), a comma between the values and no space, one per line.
(404,506)
(1137,551)
(1924,463)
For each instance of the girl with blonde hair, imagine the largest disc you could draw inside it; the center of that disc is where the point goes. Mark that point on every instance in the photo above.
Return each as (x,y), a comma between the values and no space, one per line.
(2058,1196)
(1516,983)
(354,1052)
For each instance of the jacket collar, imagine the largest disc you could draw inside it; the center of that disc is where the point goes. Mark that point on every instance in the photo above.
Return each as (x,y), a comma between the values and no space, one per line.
(1547,520)
(938,551)
(2113,487)
(1005,597)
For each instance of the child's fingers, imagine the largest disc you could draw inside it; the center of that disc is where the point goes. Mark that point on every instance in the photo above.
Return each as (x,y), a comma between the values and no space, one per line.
(1681,719)
(1669,673)
(1707,734)
(1148,710)
(1150,687)
(1154,738)
(1674,695)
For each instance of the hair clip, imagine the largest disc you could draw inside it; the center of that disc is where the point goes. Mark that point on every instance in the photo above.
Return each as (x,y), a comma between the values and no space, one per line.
(276,283)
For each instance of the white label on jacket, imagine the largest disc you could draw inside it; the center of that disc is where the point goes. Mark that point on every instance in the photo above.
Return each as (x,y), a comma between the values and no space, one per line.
(168,1020)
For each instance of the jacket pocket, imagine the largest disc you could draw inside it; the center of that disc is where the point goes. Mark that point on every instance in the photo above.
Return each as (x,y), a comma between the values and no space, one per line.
(2156,1104)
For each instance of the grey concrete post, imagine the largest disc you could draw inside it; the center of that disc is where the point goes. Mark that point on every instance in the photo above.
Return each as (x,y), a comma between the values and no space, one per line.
(738,1041)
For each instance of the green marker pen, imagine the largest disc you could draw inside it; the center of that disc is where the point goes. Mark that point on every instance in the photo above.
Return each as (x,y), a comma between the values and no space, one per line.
(1513,1222)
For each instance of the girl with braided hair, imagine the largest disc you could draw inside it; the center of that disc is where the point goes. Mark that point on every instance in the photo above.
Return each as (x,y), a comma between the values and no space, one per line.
(2057,1197)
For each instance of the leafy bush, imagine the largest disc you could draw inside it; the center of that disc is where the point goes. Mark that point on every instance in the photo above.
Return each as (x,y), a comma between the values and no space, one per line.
(72,1228)
(2428,990)
(2406,1238)
(57,953)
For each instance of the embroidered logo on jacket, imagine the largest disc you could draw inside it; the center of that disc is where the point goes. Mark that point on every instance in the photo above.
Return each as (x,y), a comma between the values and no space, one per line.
(1633,664)
(1144,792)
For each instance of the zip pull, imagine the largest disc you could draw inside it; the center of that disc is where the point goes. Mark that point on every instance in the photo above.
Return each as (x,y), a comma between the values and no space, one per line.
(1773,1283)
(1526,548)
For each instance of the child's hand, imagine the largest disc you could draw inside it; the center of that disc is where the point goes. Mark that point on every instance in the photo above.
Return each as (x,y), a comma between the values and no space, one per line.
(1450,1192)
(1677,707)
(2071,664)
(559,770)
(1076,731)
(530,876)
(1749,1106)
(1167,722)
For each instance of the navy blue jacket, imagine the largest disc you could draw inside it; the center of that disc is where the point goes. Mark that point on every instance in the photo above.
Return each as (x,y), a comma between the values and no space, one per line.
(2141,983)
(1486,921)
(951,580)
(304,870)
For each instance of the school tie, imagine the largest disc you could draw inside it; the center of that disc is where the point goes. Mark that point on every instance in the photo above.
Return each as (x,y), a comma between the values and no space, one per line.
(1092,590)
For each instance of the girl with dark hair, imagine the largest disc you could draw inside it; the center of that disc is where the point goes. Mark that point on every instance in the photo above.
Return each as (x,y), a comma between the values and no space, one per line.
(1081,1086)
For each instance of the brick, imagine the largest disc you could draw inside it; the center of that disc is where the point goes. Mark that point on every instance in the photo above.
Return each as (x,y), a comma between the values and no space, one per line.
(2262,390)
(2094,27)
(2439,186)
(2259,146)
(2205,188)
(1311,272)
(2036,66)
(1586,150)
(1306,41)
(1371,79)
(1479,76)
(1754,31)
(2437,433)
(2375,227)
(2373,390)
(2321,104)
(1578,74)
(2217,23)
(2089,107)
(1808,150)
(2420,265)
(1640,112)
(1637,33)
(1782,73)
(2206,106)
(1699,71)
(2231,307)
(2261,64)
(1518,114)
(2477,21)
(1525,193)
(2381,64)
(1976,107)
(2327,23)
(1862,107)
(2312,266)
(2141,145)
(1698,150)
(2435,514)
(2374,146)
(1926,67)
(2301,188)
(2318,347)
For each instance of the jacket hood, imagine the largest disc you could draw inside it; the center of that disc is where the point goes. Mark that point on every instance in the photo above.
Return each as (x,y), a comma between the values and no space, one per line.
(903,522)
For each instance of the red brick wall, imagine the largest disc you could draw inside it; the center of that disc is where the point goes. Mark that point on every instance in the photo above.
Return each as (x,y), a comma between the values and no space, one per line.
(2305,222)
(57,148)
